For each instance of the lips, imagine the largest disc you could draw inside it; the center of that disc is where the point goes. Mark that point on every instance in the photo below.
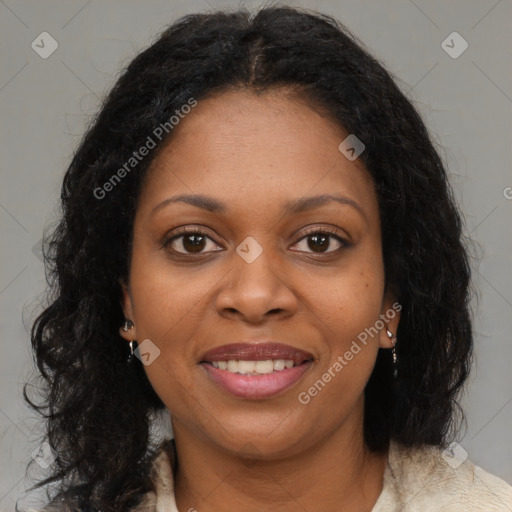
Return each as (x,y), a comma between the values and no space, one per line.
(257,387)
(236,368)
(256,351)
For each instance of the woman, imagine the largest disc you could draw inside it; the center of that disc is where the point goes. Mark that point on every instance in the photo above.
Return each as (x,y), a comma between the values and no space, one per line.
(258,220)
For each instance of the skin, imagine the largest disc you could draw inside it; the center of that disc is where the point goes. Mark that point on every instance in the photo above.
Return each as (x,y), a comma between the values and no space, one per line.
(254,153)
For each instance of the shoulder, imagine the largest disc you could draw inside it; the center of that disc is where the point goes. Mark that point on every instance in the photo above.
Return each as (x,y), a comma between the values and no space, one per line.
(426,478)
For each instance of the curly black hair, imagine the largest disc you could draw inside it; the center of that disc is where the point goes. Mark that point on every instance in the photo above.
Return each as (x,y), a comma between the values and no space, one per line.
(97,408)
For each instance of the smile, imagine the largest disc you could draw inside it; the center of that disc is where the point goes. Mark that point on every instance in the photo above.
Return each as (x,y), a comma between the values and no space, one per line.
(256,379)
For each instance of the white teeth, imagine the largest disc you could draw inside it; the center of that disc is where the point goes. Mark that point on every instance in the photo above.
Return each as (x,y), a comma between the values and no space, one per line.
(280,364)
(253,367)
(264,366)
(247,366)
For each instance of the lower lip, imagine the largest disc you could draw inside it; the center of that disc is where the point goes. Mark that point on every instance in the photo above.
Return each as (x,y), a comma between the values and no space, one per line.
(257,386)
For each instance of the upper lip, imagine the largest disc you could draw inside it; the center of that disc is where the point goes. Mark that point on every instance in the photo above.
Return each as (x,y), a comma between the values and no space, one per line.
(256,351)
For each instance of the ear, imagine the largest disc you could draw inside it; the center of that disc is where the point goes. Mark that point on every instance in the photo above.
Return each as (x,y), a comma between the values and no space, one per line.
(390,316)
(127,306)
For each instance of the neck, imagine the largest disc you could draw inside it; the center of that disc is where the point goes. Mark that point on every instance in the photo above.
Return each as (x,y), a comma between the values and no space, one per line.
(336,474)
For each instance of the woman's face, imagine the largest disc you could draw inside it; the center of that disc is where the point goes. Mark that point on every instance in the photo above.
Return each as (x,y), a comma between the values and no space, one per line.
(257,271)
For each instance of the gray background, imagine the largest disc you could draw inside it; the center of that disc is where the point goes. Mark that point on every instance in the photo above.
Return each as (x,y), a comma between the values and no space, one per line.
(466,101)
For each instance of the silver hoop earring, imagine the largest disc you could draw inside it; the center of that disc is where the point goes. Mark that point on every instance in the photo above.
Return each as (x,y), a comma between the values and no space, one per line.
(392,337)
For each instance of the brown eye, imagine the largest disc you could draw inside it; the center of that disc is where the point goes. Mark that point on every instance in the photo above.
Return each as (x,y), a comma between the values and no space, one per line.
(193,243)
(320,241)
(190,242)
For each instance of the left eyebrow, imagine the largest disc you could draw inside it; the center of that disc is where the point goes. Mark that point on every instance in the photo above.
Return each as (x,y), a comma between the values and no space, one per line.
(308,203)
(290,208)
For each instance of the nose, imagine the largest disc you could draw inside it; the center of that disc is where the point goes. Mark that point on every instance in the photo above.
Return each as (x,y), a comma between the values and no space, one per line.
(256,290)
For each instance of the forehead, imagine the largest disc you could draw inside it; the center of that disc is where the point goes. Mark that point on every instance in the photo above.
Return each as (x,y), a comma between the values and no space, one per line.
(247,148)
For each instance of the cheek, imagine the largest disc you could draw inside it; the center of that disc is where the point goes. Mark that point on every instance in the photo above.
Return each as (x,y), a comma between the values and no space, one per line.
(168,300)
(345,309)
(348,355)
(349,299)
(168,305)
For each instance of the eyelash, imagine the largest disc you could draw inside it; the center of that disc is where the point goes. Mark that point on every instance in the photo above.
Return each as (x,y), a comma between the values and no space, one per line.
(312,231)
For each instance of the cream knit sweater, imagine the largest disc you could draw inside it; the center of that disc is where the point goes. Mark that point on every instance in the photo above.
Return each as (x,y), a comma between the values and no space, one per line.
(415,480)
